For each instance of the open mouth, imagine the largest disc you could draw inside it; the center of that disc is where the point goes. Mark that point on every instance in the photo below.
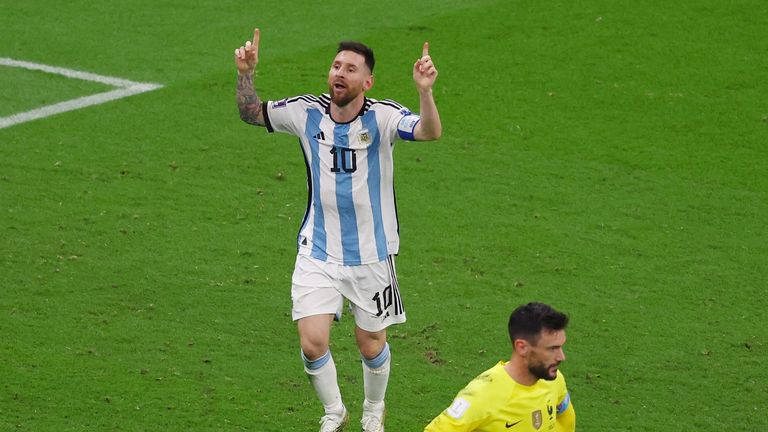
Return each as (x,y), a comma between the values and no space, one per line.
(339,86)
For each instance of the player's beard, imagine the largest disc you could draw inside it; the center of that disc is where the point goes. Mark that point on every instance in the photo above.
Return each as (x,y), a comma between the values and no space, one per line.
(541,371)
(344,98)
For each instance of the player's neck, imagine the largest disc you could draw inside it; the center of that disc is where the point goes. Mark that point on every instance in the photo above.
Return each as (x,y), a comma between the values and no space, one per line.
(518,372)
(348,112)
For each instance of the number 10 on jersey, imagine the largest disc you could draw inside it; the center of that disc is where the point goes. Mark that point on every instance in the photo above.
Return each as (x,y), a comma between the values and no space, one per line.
(344,160)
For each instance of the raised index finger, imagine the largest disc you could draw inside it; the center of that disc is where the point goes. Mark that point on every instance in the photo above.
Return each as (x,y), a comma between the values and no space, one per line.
(425,49)
(256,35)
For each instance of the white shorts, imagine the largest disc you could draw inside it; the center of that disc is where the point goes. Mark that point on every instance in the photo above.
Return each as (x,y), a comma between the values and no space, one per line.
(319,288)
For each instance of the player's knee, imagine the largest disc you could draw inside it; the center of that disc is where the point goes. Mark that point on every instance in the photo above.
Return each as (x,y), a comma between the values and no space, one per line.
(377,362)
(313,344)
(313,348)
(314,335)
(371,344)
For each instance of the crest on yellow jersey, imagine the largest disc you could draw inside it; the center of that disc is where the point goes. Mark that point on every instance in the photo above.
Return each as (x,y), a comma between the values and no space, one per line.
(536,419)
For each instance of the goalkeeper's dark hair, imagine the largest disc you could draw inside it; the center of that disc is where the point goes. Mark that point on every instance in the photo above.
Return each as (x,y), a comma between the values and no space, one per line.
(359,48)
(527,321)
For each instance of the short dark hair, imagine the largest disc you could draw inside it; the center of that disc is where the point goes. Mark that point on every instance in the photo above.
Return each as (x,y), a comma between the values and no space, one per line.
(359,48)
(527,321)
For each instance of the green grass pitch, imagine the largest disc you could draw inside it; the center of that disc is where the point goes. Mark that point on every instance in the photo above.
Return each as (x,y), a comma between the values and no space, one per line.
(607,157)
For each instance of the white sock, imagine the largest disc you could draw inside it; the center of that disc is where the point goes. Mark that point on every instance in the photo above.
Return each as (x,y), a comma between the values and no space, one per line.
(375,378)
(322,375)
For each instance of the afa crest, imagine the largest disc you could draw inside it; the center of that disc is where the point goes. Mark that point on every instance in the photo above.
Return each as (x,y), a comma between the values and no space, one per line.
(364,137)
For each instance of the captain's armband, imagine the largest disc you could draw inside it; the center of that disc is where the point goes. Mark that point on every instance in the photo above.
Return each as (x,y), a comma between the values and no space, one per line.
(562,406)
(407,126)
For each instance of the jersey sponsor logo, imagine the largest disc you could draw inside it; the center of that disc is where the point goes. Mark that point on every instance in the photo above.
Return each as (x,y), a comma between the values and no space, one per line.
(536,419)
(458,408)
(320,136)
(509,425)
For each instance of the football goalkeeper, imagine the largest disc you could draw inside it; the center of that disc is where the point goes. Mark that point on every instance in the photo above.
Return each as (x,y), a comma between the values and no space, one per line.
(525,394)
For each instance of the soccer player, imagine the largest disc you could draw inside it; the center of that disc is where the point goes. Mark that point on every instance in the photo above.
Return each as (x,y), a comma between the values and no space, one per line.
(350,234)
(525,394)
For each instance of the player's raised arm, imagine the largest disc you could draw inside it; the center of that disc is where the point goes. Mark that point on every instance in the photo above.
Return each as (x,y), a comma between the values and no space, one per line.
(248,102)
(424,75)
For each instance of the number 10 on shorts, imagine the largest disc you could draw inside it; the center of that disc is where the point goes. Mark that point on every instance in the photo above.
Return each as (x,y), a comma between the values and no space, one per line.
(384,300)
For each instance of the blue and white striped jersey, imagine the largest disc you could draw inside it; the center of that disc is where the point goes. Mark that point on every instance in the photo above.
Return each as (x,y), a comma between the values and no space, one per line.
(351,217)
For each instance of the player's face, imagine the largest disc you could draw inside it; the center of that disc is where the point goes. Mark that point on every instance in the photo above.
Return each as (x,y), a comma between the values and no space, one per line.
(547,354)
(348,78)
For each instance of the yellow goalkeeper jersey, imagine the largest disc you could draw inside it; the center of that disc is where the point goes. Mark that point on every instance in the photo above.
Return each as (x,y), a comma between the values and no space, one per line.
(494,402)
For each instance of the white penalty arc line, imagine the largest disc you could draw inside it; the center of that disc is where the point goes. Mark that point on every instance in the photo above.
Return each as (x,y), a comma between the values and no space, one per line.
(125,88)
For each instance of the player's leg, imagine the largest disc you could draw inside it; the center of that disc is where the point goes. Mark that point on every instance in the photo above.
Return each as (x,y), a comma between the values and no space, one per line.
(374,353)
(371,344)
(315,303)
(314,334)
(376,304)
(376,360)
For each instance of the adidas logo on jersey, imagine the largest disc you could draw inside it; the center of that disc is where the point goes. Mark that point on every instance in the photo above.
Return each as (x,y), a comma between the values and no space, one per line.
(320,136)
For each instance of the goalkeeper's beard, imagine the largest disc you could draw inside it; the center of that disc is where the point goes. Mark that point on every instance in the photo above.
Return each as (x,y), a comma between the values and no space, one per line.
(540,371)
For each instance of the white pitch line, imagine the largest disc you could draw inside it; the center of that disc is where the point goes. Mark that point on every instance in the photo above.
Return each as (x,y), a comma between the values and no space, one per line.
(73,104)
(125,88)
(69,73)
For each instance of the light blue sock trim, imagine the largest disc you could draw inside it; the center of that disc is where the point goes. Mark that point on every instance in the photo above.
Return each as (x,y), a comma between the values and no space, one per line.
(316,364)
(379,360)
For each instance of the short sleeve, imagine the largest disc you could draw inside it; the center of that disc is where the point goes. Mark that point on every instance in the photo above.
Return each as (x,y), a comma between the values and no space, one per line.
(283,115)
(398,120)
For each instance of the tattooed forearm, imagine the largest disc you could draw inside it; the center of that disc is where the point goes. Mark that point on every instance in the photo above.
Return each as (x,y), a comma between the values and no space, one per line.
(248,101)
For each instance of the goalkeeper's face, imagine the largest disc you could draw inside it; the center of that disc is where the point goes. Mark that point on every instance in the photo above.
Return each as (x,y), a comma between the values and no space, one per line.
(546,354)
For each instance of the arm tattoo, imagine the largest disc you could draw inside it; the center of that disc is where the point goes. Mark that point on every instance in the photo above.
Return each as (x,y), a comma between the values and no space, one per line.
(248,101)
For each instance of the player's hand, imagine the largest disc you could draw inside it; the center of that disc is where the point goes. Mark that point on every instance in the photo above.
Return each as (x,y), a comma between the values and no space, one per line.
(247,56)
(424,72)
